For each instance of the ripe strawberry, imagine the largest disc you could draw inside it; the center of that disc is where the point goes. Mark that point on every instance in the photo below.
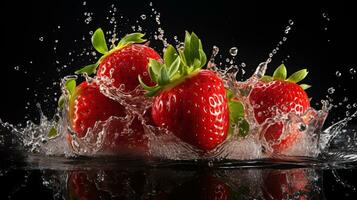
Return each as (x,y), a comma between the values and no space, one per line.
(275,95)
(188,101)
(88,106)
(124,63)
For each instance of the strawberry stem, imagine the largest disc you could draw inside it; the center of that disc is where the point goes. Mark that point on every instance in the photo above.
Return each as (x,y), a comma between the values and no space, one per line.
(177,64)
(100,45)
(280,73)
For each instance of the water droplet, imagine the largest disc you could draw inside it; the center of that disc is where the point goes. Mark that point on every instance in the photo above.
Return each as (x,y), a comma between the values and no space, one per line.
(17,68)
(274,51)
(41,39)
(291,22)
(210,163)
(227,60)
(215,51)
(233,51)
(348,106)
(338,73)
(143,17)
(324,15)
(302,127)
(287,29)
(284,39)
(242,64)
(353,71)
(331,90)
(354,105)
(84,3)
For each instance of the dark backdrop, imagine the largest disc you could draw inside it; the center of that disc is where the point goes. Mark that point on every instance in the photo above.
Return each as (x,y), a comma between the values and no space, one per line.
(29,67)
(322,39)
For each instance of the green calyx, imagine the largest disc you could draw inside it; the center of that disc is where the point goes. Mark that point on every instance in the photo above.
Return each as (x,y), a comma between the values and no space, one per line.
(177,65)
(100,45)
(70,86)
(236,116)
(52,132)
(280,73)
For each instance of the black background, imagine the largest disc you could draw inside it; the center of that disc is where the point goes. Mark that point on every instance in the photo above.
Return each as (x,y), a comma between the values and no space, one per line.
(255,27)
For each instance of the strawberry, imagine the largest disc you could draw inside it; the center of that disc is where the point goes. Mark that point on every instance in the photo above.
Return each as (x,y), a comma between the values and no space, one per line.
(276,95)
(124,63)
(188,101)
(88,106)
(127,64)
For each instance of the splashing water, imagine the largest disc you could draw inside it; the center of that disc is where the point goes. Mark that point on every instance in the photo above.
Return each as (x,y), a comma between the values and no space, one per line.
(160,143)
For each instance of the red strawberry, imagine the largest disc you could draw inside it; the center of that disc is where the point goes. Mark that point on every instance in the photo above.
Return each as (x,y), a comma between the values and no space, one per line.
(275,95)
(188,101)
(285,184)
(88,106)
(124,63)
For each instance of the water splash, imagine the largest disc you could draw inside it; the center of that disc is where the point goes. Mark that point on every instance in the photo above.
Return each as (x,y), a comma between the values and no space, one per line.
(160,143)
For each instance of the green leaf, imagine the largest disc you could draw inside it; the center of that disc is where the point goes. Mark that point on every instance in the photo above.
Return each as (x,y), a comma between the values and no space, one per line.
(71,86)
(131,39)
(187,49)
(280,73)
(170,55)
(174,67)
(196,63)
(203,57)
(243,127)
(183,58)
(267,78)
(89,69)
(194,46)
(155,66)
(236,110)
(142,84)
(229,94)
(305,86)
(236,116)
(53,132)
(153,92)
(98,41)
(298,76)
(164,76)
(152,75)
(61,101)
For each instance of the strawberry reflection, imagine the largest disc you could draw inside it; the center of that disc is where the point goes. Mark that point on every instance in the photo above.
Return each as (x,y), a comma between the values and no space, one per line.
(286,184)
(154,184)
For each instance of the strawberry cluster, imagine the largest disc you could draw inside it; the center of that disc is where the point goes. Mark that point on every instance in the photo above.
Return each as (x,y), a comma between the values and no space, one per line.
(190,102)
